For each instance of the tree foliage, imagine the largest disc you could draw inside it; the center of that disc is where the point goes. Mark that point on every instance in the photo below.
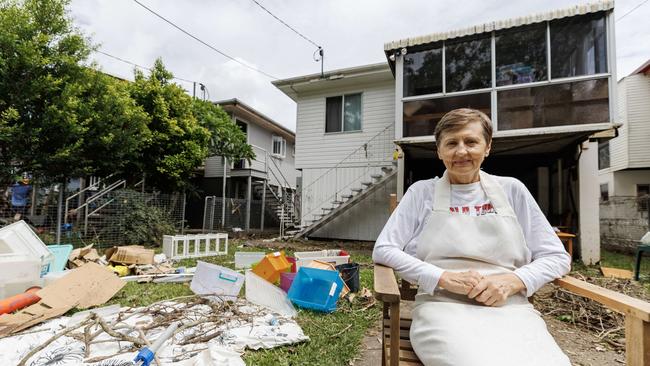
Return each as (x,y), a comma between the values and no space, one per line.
(227,139)
(60,117)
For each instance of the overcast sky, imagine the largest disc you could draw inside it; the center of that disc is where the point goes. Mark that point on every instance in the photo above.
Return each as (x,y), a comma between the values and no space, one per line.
(352,32)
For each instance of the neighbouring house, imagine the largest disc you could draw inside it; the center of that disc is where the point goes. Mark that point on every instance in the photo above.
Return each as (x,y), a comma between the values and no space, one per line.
(547,81)
(624,166)
(259,193)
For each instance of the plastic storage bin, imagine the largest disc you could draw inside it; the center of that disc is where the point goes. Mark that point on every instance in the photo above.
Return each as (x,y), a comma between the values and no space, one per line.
(61,255)
(270,267)
(19,238)
(292,260)
(316,289)
(18,272)
(261,292)
(211,279)
(247,259)
(329,255)
(286,279)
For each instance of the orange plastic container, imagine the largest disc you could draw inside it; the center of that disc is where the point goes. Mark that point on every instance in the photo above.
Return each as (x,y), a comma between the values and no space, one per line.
(270,267)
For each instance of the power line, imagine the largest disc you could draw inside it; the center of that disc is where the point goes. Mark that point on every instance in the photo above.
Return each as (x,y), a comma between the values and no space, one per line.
(140,66)
(633,9)
(285,24)
(203,42)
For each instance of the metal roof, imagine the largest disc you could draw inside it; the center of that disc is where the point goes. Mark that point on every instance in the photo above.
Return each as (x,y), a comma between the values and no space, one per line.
(602,5)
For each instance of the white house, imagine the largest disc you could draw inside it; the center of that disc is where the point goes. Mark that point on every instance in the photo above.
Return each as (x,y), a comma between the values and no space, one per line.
(546,81)
(624,164)
(251,189)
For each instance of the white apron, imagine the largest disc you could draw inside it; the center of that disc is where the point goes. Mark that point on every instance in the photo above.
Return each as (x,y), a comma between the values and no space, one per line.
(452,330)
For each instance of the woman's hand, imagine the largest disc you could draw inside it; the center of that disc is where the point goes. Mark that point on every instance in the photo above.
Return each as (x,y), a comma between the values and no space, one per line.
(494,290)
(459,282)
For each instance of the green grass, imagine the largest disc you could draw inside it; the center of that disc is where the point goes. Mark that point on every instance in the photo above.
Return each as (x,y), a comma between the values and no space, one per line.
(335,338)
(617,260)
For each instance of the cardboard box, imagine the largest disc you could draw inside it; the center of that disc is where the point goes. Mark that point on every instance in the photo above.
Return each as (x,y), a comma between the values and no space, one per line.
(131,254)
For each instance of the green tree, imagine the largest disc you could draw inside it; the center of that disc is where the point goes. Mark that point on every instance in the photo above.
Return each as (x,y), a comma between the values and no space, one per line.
(226,139)
(59,118)
(178,143)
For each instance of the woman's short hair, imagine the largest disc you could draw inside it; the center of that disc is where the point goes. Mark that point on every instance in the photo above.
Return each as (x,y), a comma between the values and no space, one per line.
(459,118)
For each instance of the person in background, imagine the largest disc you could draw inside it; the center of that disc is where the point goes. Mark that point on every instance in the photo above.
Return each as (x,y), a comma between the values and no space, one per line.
(20,192)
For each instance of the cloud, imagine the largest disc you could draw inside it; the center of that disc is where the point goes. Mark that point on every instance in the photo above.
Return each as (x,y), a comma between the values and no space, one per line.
(352,32)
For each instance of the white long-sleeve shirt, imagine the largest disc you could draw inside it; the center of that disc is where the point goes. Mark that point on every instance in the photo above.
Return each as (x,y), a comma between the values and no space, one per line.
(396,246)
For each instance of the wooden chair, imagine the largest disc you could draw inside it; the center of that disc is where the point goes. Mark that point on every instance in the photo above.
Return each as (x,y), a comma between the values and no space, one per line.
(396,345)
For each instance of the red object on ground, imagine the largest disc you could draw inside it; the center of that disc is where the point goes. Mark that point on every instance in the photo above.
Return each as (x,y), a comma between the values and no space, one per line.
(343,252)
(17,302)
(292,260)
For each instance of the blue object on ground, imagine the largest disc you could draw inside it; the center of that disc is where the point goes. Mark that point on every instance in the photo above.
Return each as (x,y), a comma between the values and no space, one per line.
(316,289)
(144,357)
(61,255)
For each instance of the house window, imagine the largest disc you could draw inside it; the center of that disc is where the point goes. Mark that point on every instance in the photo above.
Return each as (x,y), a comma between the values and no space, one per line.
(468,64)
(343,113)
(279,146)
(604,192)
(563,104)
(423,72)
(422,116)
(643,196)
(578,46)
(521,55)
(603,155)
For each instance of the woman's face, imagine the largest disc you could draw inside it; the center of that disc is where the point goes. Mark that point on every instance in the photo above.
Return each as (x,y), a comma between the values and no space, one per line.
(463,151)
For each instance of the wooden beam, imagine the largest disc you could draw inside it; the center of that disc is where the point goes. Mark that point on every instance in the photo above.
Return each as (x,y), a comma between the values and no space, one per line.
(385,283)
(611,299)
(637,342)
(394,333)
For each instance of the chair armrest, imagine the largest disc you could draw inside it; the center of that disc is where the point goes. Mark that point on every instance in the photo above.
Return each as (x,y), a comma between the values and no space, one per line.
(611,299)
(385,284)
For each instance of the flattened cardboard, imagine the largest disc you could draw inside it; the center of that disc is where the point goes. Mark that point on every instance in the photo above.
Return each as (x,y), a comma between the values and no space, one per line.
(131,254)
(86,286)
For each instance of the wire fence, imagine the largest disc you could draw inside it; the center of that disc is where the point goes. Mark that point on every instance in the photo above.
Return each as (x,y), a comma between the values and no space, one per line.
(234,216)
(118,217)
(623,221)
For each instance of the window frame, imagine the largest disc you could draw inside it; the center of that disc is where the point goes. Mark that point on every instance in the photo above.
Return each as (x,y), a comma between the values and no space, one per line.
(642,205)
(604,194)
(283,146)
(609,74)
(342,131)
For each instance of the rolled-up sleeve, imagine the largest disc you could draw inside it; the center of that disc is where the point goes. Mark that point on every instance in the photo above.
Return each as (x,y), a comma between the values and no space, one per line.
(549,260)
(399,231)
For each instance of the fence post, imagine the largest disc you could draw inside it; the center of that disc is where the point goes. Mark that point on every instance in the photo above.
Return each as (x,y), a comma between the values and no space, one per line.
(183,213)
(263,205)
(59,212)
(223,193)
(248,203)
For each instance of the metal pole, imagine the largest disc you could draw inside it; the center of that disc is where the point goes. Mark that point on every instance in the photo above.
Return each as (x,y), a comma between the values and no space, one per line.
(194,90)
(263,205)
(183,213)
(33,200)
(223,194)
(59,212)
(248,203)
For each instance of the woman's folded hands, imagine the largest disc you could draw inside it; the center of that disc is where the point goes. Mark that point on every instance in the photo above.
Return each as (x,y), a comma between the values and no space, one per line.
(491,290)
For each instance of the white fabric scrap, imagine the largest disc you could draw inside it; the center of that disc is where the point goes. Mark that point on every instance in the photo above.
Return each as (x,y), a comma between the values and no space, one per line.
(265,330)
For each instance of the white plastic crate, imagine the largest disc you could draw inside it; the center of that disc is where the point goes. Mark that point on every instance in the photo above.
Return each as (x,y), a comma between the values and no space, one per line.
(195,246)
(19,238)
(247,259)
(211,279)
(327,255)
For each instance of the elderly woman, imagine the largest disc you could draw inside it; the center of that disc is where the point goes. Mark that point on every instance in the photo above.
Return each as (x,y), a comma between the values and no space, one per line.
(478,246)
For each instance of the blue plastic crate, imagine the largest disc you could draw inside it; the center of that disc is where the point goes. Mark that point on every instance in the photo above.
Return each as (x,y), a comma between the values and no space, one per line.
(316,289)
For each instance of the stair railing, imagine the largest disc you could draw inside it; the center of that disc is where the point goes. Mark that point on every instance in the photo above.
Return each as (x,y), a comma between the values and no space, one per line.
(92,186)
(119,184)
(376,152)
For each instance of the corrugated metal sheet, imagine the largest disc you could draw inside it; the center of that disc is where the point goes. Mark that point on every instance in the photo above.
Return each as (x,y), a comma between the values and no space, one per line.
(502,24)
